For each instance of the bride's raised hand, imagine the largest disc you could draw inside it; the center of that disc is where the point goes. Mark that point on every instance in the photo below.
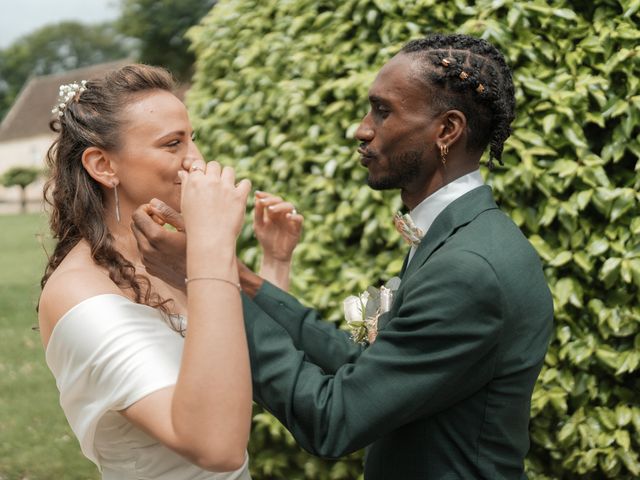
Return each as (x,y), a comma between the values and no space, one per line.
(212,205)
(277,226)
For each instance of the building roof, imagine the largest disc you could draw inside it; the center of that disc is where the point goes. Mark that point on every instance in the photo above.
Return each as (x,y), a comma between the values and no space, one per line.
(31,112)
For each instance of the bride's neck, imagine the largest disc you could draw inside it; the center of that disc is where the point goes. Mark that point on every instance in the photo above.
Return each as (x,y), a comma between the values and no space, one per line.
(123,239)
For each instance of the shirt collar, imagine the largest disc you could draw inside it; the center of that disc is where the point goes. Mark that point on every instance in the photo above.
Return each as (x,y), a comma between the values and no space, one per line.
(425,213)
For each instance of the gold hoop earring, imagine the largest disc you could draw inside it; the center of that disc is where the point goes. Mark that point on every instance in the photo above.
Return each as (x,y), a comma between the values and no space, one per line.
(444,151)
(115,192)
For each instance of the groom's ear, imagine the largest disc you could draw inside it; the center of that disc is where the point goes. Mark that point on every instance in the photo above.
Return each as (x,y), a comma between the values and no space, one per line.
(99,166)
(453,126)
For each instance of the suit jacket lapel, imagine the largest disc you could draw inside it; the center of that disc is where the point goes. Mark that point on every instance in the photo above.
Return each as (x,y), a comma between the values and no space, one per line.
(460,212)
(457,214)
(405,263)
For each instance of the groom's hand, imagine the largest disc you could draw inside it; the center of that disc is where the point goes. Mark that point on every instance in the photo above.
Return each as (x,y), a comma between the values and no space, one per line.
(163,251)
(249,281)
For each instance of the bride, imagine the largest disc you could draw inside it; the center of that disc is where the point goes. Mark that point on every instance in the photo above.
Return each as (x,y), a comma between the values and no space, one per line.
(146,397)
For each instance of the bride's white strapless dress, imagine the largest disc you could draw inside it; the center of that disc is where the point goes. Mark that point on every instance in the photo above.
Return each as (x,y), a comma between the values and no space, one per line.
(107,353)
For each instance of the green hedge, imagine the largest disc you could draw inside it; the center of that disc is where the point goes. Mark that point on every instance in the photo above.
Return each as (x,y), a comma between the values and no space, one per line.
(280,87)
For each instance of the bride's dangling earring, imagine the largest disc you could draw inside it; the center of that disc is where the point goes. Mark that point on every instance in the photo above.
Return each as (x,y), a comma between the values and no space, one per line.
(115,192)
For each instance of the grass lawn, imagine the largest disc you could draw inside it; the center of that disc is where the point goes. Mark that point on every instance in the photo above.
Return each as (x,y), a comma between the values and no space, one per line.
(36,442)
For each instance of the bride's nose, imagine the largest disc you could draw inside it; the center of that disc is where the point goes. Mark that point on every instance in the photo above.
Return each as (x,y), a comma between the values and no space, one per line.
(188,161)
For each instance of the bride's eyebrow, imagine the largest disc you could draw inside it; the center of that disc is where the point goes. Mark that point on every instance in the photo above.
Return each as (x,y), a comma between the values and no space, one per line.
(167,136)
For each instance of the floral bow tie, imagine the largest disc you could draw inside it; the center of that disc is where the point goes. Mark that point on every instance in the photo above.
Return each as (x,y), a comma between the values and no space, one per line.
(405,226)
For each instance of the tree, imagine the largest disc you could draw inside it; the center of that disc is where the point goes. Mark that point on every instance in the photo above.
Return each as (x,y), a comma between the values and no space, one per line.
(53,49)
(160,27)
(21,177)
(280,87)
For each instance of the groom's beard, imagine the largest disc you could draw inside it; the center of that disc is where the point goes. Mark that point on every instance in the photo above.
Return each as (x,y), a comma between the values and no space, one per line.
(402,170)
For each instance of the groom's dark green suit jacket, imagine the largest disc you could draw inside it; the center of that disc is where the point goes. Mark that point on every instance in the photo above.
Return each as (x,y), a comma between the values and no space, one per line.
(444,391)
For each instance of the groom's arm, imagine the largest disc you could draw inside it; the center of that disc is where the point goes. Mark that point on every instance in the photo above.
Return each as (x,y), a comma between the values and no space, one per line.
(438,350)
(323,343)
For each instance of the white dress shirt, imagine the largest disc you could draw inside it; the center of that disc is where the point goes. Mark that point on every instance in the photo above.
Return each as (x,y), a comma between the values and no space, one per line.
(426,211)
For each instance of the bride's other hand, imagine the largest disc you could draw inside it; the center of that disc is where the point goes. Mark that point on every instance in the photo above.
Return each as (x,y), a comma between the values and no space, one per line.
(278,226)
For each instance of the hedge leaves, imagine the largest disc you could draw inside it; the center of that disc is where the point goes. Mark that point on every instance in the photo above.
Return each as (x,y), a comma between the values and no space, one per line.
(280,87)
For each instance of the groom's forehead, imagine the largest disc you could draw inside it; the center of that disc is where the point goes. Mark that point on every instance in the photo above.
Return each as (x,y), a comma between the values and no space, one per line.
(399,81)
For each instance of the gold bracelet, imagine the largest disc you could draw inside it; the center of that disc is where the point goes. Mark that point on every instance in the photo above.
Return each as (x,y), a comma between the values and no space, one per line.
(237,285)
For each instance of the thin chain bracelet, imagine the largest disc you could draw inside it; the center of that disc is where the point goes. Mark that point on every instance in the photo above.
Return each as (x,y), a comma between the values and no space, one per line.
(237,285)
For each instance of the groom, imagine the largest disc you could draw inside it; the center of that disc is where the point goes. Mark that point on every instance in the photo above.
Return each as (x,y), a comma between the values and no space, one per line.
(444,391)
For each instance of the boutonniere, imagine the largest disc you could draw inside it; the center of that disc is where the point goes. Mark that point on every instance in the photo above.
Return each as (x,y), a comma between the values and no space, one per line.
(362,311)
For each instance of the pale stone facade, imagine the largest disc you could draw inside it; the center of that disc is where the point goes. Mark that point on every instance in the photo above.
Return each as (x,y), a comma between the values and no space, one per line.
(23,152)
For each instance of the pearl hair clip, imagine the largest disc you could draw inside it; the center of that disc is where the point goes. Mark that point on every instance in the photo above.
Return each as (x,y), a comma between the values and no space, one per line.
(66,94)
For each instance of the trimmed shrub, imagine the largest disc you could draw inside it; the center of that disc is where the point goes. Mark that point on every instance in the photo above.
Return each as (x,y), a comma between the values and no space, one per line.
(280,87)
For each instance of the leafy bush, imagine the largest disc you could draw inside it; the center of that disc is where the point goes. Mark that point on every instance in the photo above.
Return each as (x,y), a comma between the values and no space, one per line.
(280,87)
(21,177)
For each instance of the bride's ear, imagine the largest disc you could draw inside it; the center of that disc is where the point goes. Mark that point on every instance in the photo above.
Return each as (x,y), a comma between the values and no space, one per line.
(99,166)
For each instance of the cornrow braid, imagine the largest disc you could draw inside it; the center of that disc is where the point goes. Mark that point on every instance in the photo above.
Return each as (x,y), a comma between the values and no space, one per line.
(472,76)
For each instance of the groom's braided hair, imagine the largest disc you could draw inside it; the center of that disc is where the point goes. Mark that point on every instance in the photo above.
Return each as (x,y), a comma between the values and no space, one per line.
(469,74)
(93,118)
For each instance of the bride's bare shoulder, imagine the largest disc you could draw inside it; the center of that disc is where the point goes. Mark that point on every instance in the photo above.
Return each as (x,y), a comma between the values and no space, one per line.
(76,279)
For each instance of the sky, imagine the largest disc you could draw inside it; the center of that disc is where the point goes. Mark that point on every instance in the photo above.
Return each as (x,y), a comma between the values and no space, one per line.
(20,17)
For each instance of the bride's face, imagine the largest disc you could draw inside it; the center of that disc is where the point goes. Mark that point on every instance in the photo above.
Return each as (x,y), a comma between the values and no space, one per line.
(156,142)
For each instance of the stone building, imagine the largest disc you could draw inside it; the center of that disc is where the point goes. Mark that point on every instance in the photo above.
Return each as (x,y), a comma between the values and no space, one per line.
(25,135)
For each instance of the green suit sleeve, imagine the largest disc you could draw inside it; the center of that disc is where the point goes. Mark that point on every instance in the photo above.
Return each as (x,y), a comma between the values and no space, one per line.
(439,348)
(323,343)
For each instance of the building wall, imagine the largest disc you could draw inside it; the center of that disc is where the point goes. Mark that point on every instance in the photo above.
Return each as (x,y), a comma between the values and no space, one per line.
(23,152)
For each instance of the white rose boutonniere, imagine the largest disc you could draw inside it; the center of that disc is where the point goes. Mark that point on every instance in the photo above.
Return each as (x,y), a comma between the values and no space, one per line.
(362,311)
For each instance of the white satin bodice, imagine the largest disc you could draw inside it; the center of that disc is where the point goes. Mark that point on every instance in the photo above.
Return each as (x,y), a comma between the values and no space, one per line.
(107,353)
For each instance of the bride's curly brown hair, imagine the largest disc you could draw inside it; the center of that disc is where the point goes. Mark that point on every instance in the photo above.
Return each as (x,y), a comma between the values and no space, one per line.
(94,118)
